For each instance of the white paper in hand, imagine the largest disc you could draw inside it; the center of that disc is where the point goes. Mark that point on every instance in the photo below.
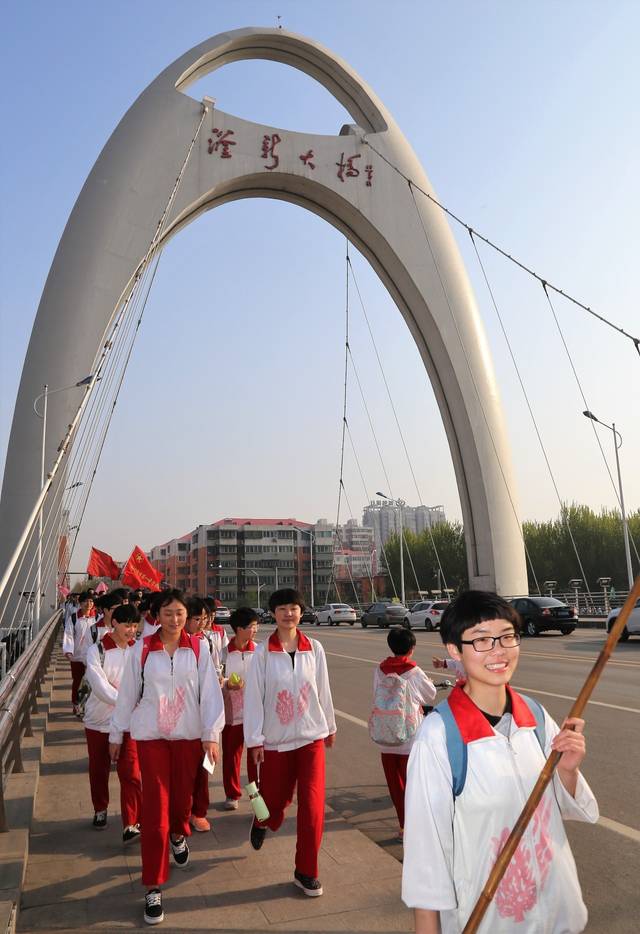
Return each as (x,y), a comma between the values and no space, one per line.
(208,764)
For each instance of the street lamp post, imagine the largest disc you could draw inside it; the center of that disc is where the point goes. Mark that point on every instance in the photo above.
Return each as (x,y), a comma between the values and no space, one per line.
(310,534)
(45,395)
(625,524)
(398,503)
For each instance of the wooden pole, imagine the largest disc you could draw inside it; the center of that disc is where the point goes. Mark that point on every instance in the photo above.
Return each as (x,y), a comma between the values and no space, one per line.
(507,852)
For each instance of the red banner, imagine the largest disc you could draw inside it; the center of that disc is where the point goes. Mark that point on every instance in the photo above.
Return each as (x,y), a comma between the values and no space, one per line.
(102,565)
(139,572)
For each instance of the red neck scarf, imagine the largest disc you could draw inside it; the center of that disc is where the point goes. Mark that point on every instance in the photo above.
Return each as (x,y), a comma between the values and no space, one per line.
(396,665)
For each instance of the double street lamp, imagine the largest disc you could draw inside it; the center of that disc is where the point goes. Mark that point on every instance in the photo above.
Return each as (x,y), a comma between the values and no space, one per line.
(625,524)
(398,503)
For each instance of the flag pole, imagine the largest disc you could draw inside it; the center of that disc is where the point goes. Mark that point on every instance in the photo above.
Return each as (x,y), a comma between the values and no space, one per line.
(507,852)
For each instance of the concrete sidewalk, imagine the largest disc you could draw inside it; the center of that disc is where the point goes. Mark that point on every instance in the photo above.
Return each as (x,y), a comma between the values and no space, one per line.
(80,879)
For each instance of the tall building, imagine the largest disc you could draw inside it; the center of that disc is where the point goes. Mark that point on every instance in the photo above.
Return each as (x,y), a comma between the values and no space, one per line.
(382,516)
(243,560)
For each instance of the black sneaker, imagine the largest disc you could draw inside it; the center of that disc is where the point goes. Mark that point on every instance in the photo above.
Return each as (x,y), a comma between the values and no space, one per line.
(258,834)
(153,913)
(309,885)
(131,833)
(100,820)
(180,851)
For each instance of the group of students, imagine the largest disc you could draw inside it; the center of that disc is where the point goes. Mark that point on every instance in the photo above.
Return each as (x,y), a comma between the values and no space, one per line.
(170,705)
(458,778)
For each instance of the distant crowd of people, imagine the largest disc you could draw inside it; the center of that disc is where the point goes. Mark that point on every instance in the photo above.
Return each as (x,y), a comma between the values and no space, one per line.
(165,694)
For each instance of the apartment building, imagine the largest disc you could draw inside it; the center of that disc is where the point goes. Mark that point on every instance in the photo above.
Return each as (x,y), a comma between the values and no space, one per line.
(382,516)
(245,559)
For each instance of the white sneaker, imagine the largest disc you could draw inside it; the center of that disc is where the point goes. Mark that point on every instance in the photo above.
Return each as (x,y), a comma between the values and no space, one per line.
(231,804)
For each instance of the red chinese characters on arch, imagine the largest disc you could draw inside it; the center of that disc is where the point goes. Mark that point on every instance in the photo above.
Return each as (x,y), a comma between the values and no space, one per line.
(269,143)
(348,169)
(220,141)
(306,157)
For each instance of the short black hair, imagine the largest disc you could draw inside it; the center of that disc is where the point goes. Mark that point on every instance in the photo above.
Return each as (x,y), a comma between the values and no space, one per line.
(195,606)
(400,640)
(85,595)
(126,613)
(109,600)
(165,597)
(472,607)
(284,596)
(242,617)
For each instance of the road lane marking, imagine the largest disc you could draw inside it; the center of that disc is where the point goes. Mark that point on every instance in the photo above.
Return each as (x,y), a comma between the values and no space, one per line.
(351,718)
(630,832)
(443,674)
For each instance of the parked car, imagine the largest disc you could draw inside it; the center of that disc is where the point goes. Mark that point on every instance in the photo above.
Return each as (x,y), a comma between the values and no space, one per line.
(540,614)
(427,613)
(633,623)
(309,616)
(384,615)
(223,614)
(335,613)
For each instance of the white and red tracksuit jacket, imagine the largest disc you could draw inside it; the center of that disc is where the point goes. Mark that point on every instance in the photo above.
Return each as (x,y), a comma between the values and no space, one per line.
(150,625)
(77,638)
(219,638)
(181,698)
(450,844)
(236,661)
(104,675)
(287,705)
(422,691)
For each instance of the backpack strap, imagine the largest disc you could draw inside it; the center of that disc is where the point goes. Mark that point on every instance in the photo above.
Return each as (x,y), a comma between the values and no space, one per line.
(538,712)
(74,617)
(456,747)
(101,653)
(94,633)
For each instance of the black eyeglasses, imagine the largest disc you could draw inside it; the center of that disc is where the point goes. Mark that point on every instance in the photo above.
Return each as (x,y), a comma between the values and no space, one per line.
(487,643)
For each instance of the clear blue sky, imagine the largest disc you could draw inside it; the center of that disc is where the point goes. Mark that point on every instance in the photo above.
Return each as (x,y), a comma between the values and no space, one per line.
(525,119)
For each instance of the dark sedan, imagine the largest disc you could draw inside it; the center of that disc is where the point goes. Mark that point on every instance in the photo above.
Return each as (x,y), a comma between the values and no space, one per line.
(540,614)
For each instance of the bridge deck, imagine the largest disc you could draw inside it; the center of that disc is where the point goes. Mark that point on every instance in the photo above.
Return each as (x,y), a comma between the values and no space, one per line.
(80,879)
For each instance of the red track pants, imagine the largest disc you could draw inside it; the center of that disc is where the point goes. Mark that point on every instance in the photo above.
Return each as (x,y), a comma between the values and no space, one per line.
(232,746)
(395,772)
(77,674)
(168,770)
(128,773)
(201,792)
(278,776)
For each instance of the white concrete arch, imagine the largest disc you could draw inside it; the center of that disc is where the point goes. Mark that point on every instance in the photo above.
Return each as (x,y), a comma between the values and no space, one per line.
(115,218)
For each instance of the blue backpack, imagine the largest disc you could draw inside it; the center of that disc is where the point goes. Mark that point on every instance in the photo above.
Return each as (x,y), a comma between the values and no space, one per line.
(457,748)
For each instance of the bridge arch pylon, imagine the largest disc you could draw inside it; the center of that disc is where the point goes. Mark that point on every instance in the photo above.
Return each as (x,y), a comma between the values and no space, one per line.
(348,180)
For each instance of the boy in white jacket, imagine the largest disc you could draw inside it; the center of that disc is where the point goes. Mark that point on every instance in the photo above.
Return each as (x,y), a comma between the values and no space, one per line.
(453,837)
(288,721)
(76,640)
(106,660)
(170,701)
(237,657)
(396,674)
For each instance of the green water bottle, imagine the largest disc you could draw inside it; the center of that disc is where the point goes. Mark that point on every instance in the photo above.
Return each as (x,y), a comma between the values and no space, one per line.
(260,809)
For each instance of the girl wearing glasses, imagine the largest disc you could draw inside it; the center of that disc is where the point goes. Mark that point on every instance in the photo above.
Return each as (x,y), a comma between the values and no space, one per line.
(470,772)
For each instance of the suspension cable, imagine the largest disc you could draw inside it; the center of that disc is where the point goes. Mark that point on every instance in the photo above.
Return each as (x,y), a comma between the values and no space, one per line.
(400,432)
(498,249)
(586,405)
(344,417)
(529,407)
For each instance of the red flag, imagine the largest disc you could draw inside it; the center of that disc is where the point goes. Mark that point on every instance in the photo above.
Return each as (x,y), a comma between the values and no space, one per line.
(139,572)
(102,565)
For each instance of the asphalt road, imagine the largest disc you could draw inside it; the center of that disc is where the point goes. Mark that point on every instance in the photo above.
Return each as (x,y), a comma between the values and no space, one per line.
(552,668)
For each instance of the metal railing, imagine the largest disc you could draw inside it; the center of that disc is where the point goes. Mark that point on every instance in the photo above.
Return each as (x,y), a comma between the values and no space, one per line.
(19,692)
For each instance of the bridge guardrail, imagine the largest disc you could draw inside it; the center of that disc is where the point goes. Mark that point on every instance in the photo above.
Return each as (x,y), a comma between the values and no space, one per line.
(19,691)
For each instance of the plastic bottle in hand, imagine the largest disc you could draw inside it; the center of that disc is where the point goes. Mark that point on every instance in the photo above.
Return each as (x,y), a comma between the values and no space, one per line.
(258,804)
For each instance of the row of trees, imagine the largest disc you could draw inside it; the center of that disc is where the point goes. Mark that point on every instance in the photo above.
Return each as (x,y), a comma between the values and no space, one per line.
(598,538)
